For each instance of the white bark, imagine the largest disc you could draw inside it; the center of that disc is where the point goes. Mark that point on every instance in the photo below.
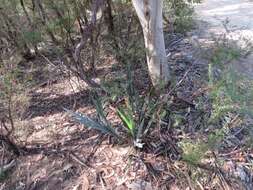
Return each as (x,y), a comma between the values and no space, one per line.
(150,15)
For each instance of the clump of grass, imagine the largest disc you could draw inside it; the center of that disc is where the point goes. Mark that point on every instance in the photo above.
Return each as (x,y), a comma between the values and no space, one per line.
(136,112)
(193,153)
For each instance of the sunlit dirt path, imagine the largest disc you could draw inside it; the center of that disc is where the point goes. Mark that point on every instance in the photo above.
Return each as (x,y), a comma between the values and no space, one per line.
(216,17)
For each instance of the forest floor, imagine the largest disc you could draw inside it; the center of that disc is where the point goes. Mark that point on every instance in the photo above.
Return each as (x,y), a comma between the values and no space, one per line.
(70,156)
(74,157)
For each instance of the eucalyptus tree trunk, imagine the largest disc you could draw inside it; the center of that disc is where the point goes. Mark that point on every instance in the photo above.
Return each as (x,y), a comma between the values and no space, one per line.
(150,15)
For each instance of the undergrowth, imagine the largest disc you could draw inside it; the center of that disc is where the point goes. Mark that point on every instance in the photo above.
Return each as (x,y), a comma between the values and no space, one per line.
(13,92)
(230,97)
(231,90)
(136,112)
(180,15)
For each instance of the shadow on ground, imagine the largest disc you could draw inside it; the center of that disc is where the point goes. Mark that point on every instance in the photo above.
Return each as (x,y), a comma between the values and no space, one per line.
(44,104)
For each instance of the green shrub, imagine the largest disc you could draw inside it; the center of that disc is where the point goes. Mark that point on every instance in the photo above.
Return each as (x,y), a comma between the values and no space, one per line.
(179,14)
(230,90)
(193,153)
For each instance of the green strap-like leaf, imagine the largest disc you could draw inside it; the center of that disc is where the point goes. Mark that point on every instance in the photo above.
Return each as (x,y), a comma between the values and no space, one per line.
(127,120)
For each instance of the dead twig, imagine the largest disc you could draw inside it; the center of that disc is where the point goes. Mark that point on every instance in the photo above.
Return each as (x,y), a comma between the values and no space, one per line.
(78,160)
(7,167)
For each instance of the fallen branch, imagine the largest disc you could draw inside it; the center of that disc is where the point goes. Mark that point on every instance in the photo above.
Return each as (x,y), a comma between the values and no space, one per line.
(7,167)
